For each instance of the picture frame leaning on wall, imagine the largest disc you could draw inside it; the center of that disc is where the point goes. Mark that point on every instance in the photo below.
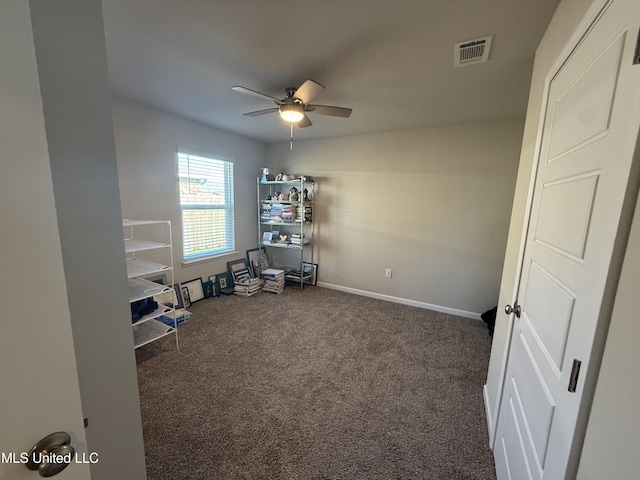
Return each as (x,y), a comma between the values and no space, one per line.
(257,260)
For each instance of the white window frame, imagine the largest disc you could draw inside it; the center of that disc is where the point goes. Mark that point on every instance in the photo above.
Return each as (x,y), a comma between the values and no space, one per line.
(227,229)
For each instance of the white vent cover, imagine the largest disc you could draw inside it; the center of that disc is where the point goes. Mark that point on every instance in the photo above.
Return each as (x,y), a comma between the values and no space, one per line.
(471,51)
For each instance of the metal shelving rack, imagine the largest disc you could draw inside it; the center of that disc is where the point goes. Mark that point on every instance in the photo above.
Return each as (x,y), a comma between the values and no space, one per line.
(149,328)
(303,226)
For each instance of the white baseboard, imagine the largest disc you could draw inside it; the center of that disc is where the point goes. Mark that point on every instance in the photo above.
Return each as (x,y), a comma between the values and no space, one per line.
(487,409)
(404,301)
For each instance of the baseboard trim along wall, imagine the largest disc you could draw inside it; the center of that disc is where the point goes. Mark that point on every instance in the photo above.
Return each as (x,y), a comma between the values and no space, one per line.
(405,301)
(485,394)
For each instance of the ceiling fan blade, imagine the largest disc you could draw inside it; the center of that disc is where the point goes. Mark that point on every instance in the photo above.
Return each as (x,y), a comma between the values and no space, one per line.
(262,112)
(308,91)
(329,110)
(264,96)
(305,122)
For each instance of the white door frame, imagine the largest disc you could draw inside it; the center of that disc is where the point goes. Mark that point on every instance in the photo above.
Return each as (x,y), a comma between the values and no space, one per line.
(593,14)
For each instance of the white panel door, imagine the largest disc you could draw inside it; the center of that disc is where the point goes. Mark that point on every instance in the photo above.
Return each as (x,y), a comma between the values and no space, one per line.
(582,186)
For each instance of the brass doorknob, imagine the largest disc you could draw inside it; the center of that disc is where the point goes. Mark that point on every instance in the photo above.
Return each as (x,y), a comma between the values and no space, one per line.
(516,309)
(51,455)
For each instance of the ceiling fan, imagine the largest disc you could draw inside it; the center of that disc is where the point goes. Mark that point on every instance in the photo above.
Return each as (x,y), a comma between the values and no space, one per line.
(295,106)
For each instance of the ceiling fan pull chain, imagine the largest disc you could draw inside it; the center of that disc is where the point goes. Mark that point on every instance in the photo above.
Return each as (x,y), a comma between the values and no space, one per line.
(291,137)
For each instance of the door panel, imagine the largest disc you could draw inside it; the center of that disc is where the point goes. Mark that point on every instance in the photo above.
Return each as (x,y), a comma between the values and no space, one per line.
(536,402)
(581,187)
(511,462)
(550,320)
(565,213)
(585,102)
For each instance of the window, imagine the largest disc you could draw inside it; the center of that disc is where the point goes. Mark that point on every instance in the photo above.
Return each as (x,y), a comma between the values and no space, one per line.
(206,201)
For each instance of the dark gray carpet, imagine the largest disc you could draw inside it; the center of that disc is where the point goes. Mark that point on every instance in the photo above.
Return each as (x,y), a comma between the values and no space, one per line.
(318,384)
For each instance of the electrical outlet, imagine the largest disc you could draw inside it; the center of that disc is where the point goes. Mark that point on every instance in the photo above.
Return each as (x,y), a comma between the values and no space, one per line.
(388,273)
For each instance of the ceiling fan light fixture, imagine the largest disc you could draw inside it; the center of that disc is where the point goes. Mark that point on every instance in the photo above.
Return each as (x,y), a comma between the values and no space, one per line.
(291,113)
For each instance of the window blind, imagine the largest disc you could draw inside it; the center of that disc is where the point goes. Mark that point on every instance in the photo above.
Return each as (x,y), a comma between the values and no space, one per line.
(206,201)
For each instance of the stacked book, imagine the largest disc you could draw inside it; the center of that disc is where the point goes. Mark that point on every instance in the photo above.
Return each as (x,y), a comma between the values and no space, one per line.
(273,280)
(296,275)
(276,213)
(288,213)
(305,212)
(241,275)
(297,239)
(265,212)
(247,287)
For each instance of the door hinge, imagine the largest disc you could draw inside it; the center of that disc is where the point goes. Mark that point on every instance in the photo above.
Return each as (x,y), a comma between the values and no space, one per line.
(575,373)
(636,54)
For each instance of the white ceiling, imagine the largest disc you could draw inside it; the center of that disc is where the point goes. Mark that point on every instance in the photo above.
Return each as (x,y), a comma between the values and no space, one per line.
(389,60)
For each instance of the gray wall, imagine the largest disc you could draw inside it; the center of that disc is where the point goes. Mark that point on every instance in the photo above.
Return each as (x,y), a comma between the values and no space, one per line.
(433,204)
(146,144)
(72,68)
(613,434)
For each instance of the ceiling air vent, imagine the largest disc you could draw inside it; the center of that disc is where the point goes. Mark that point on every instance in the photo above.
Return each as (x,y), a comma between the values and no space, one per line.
(471,51)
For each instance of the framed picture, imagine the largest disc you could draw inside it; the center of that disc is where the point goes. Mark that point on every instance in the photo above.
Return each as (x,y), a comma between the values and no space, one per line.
(178,299)
(264,262)
(242,276)
(224,283)
(161,279)
(207,288)
(186,299)
(267,237)
(313,268)
(194,287)
(239,270)
(257,259)
(214,283)
(237,265)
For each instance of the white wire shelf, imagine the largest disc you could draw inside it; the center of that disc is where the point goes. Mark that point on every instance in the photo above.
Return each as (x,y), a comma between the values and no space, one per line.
(158,312)
(284,245)
(126,222)
(140,288)
(284,182)
(305,203)
(136,245)
(137,267)
(276,222)
(149,331)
